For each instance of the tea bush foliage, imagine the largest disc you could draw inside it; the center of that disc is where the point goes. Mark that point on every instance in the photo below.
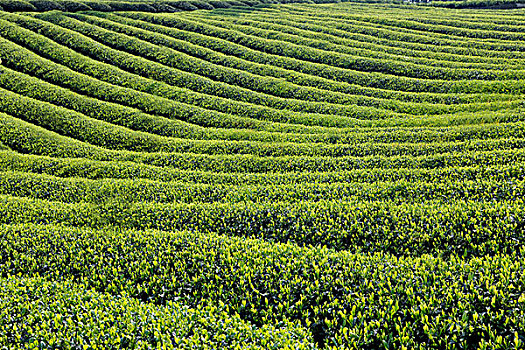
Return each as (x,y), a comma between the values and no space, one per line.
(261,175)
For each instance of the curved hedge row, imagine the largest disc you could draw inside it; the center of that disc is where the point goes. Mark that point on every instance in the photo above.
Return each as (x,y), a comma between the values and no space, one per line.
(492,4)
(499,45)
(310,65)
(500,21)
(168,6)
(399,107)
(273,87)
(131,191)
(347,58)
(27,138)
(395,135)
(415,40)
(36,313)
(103,134)
(462,228)
(294,24)
(232,49)
(385,65)
(361,301)
(288,90)
(210,118)
(92,169)
(148,94)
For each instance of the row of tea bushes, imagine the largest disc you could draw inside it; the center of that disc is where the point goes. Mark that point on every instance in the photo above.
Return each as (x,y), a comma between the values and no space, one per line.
(329,53)
(195,114)
(39,314)
(27,138)
(352,61)
(104,134)
(462,228)
(181,166)
(361,44)
(96,170)
(501,20)
(175,69)
(168,6)
(158,107)
(72,190)
(272,64)
(294,57)
(345,299)
(273,87)
(296,118)
(145,94)
(439,26)
(495,48)
(483,4)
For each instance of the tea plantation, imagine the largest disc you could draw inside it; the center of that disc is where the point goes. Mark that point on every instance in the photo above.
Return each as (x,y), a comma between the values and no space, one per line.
(275,176)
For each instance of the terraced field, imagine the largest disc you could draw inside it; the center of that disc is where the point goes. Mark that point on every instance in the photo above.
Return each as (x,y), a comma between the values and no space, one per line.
(293,176)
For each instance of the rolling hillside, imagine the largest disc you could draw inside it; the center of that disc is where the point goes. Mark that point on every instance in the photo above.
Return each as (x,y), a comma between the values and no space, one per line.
(286,176)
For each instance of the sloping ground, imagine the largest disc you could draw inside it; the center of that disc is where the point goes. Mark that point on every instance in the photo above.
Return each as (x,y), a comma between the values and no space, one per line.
(344,176)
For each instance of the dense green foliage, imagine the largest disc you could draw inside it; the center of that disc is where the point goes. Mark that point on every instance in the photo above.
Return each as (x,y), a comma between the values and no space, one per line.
(171,6)
(36,313)
(166,6)
(355,299)
(287,176)
(492,4)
